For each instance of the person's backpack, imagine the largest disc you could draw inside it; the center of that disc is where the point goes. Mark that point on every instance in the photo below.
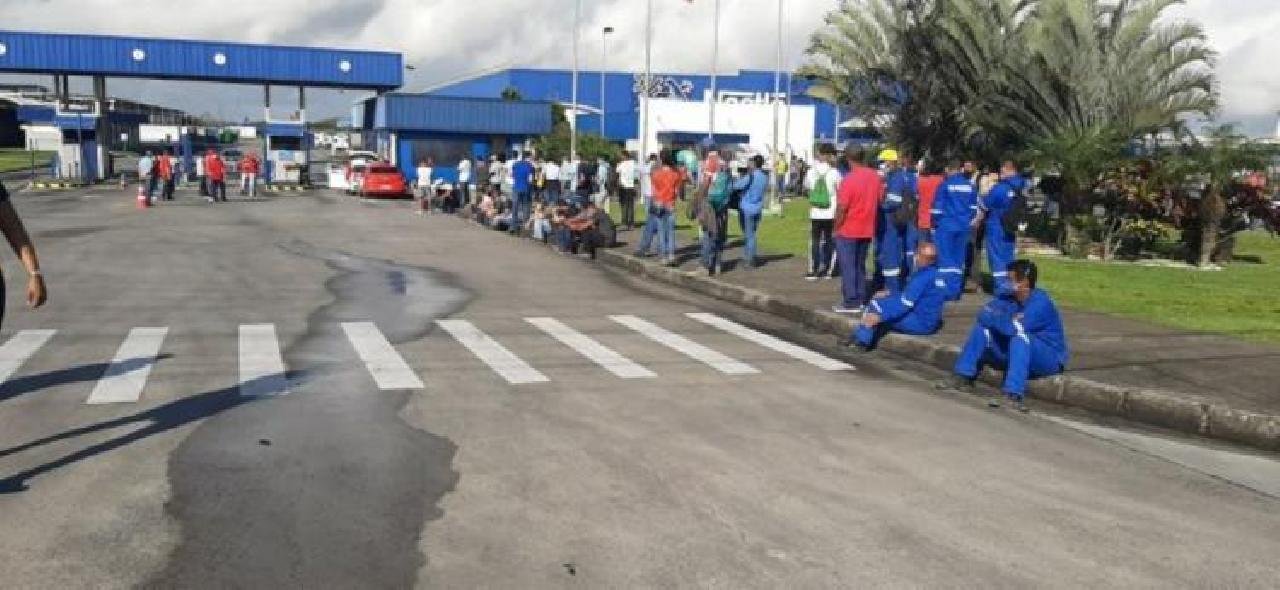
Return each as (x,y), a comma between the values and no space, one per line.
(1014,218)
(718,191)
(820,196)
(908,212)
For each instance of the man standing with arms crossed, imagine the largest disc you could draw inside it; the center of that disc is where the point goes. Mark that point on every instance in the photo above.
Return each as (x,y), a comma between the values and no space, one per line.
(857,205)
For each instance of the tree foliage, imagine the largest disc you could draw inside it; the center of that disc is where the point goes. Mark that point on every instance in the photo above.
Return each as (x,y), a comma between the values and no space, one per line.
(1071,85)
(591,146)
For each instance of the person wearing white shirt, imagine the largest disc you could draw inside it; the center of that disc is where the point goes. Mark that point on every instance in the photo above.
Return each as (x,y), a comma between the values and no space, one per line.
(822,250)
(551,173)
(569,175)
(628,174)
(424,178)
(464,182)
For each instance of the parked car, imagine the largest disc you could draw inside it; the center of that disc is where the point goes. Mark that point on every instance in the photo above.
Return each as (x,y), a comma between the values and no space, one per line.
(347,175)
(385,181)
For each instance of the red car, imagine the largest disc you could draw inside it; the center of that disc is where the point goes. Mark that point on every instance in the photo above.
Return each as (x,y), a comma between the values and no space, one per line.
(383,180)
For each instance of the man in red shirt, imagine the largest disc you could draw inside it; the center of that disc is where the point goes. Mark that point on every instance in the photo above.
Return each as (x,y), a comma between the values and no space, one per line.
(857,205)
(216,170)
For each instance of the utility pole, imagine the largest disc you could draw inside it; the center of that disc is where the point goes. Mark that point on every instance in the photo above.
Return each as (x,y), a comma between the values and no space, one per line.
(573,122)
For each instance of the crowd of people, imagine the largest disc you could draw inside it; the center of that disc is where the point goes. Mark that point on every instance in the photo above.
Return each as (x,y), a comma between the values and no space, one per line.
(901,237)
(925,224)
(159,175)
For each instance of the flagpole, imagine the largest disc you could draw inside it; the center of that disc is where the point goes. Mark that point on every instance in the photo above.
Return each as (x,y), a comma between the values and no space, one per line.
(573,127)
(648,82)
(775,199)
(715,72)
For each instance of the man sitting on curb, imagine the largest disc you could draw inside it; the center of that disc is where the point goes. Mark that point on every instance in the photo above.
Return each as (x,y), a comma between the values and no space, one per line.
(917,310)
(1024,336)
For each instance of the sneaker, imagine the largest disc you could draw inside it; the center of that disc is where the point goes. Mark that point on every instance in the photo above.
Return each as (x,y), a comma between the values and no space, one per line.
(811,276)
(639,254)
(993,402)
(1021,406)
(208,199)
(671,262)
(956,383)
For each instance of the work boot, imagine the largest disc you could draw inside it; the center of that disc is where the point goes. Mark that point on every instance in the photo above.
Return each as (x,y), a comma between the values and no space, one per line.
(956,383)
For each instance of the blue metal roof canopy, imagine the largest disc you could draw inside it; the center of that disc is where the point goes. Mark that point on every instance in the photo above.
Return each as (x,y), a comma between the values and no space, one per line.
(444,114)
(168,59)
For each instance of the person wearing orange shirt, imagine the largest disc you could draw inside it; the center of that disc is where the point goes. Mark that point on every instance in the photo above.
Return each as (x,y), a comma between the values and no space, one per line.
(216,170)
(164,170)
(667,181)
(921,229)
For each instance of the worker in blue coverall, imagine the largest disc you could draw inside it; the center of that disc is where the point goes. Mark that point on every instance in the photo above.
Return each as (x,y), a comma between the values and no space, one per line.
(1001,242)
(954,211)
(916,310)
(1022,334)
(898,187)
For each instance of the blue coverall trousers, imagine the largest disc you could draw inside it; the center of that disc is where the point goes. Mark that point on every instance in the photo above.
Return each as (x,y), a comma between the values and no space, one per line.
(953,245)
(889,240)
(1020,357)
(912,323)
(1001,252)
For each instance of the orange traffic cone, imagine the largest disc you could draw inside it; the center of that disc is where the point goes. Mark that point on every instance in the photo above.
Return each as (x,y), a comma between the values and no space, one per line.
(143,201)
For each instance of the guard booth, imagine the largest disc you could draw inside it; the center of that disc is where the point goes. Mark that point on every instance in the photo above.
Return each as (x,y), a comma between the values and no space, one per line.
(79,157)
(287,149)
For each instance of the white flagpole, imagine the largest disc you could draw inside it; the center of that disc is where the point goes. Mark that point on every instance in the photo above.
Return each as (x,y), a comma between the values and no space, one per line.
(573,127)
(715,71)
(648,82)
(775,200)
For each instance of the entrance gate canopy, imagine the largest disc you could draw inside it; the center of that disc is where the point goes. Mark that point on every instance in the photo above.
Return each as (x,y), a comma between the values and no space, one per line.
(207,61)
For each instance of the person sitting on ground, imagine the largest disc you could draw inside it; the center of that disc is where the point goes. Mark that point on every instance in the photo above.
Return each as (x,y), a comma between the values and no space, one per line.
(584,233)
(540,222)
(486,210)
(1023,335)
(917,310)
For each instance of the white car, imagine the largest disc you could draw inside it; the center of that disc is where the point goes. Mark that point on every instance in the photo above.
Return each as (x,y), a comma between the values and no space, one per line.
(347,176)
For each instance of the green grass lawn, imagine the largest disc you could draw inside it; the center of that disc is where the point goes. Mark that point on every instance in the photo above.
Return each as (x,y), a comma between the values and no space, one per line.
(1243,300)
(12,159)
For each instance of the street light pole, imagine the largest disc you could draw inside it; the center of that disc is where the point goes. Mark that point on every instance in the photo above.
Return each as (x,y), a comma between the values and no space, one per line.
(604,61)
(573,122)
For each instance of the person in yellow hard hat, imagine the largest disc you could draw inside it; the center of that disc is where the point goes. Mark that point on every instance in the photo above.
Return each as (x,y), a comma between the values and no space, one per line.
(891,227)
(888,155)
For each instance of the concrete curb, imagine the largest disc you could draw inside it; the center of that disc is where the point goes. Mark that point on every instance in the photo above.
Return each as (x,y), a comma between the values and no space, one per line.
(56,185)
(1151,406)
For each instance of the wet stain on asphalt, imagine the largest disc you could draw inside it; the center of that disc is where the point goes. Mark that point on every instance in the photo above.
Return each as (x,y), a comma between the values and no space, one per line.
(326,487)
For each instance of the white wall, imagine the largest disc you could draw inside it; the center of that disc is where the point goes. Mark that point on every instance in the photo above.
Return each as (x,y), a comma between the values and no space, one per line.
(753,120)
(45,138)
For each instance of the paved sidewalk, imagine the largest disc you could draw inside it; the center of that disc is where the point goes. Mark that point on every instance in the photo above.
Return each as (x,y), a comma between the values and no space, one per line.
(1206,367)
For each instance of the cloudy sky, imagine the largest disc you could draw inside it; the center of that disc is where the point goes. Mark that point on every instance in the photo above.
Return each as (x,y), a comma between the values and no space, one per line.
(449,39)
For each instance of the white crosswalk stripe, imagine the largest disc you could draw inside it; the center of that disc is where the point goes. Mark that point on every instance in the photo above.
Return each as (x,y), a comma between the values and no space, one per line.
(502,361)
(685,346)
(18,349)
(127,375)
(262,370)
(776,344)
(385,364)
(598,353)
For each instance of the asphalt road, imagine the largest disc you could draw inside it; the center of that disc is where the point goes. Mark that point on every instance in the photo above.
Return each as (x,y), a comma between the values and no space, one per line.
(313,392)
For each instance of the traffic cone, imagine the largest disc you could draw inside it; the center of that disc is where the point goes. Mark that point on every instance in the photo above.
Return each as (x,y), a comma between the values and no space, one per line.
(143,201)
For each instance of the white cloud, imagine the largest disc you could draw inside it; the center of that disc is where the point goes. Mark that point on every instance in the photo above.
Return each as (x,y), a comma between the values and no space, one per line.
(450,38)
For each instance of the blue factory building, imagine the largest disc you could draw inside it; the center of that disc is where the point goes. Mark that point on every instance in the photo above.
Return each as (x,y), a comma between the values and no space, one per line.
(620,107)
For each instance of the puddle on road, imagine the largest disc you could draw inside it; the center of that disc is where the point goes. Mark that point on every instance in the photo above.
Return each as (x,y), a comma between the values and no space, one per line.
(339,496)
